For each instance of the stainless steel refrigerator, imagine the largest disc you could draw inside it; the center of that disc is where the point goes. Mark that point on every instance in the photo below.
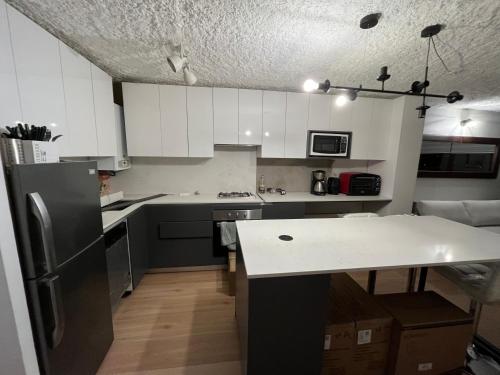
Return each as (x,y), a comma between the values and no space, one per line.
(61,248)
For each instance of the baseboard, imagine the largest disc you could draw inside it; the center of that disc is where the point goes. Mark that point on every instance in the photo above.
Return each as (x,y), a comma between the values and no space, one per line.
(187,269)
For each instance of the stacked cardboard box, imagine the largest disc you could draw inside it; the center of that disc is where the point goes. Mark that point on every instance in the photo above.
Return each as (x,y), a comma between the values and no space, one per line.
(430,334)
(358,332)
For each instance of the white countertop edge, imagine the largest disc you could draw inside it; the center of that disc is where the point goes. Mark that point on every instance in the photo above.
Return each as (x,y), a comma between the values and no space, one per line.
(294,196)
(339,270)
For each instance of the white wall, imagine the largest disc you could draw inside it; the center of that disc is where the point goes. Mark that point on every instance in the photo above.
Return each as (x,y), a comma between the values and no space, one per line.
(445,121)
(17,354)
(231,169)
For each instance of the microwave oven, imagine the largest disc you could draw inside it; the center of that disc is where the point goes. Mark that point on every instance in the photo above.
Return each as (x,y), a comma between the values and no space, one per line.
(329,144)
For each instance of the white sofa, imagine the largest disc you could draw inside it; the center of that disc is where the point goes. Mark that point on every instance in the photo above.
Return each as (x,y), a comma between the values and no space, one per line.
(480,281)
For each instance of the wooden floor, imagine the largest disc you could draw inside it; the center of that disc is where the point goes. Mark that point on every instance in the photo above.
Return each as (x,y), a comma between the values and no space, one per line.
(183,323)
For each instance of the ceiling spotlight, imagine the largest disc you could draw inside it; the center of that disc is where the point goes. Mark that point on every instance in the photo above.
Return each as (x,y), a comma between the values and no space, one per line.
(189,77)
(352,95)
(177,61)
(465,122)
(417,87)
(369,21)
(341,100)
(310,85)
(453,97)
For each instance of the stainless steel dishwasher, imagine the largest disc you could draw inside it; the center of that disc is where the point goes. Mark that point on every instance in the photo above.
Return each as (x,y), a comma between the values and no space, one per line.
(117,257)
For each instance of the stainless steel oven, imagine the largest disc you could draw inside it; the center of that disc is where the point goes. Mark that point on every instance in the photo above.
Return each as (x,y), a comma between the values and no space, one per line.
(329,144)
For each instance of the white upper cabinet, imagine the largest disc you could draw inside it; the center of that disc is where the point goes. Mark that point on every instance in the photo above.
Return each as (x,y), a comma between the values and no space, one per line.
(38,69)
(10,106)
(250,117)
(200,122)
(141,103)
(378,133)
(107,142)
(361,122)
(340,118)
(225,116)
(79,101)
(174,124)
(296,125)
(273,124)
(319,112)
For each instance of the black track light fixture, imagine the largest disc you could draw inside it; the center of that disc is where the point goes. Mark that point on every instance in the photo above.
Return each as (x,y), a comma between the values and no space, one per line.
(369,21)
(417,88)
(383,76)
(453,97)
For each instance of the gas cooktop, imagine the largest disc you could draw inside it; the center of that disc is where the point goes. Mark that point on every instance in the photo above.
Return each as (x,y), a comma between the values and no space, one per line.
(234,194)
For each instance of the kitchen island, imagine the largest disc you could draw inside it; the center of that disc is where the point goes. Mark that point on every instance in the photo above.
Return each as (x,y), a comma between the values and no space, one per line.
(283,276)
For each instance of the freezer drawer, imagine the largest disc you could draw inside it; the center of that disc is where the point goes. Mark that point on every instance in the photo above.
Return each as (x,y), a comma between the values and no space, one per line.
(71,314)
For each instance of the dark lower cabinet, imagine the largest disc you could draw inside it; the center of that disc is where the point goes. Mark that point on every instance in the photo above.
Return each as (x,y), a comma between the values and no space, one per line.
(289,210)
(182,236)
(138,224)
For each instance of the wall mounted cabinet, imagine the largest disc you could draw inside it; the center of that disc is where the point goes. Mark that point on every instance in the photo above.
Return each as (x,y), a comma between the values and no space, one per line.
(10,105)
(249,117)
(225,116)
(174,125)
(46,83)
(319,112)
(141,104)
(200,122)
(77,80)
(38,71)
(108,138)
(273,124)
(296,125)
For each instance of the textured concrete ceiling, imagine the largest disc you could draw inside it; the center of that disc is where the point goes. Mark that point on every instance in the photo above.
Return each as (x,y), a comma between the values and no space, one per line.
(278,44)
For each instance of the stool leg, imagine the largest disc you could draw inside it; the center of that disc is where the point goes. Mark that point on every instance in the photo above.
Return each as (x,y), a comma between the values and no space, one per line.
(412,277)
(372,280)
(422,279)
(475,309)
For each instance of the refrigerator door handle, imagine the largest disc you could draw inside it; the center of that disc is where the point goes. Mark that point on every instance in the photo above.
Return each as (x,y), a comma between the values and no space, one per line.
(57,311)
(39,210)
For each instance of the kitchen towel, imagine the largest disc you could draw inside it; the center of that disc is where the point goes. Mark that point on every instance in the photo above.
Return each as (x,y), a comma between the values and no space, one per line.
(228,234)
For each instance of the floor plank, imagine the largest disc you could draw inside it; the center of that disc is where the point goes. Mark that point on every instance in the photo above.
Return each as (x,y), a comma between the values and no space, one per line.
(183,323)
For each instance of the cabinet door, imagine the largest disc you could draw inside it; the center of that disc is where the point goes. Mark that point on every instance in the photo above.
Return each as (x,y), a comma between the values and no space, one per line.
(39,76)
(340,118)
(379,130)
(137,227)
(273,123)
(250,117)
(296,125)
(225,116)
(10,106)
(141,103)
(200,122)
(107,137)
(79,99)
(319,112)
(174,120)
(361,123)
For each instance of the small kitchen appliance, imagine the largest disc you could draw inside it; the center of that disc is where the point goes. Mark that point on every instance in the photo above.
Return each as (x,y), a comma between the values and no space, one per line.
(329,144)
(318,182)
(333,185)
(356,183)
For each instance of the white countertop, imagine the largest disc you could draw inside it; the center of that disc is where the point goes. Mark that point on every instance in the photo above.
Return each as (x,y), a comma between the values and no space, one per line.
(341,245)
(308,197)
(110,218)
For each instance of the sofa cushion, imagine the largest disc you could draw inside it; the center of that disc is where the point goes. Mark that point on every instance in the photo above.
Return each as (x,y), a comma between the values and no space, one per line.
(483,213)
(452,210)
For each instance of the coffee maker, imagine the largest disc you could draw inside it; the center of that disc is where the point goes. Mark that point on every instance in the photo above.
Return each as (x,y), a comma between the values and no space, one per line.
(318,182)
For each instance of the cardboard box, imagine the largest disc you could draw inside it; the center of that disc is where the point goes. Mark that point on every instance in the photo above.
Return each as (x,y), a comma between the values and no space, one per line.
(358,332)
(430,334)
